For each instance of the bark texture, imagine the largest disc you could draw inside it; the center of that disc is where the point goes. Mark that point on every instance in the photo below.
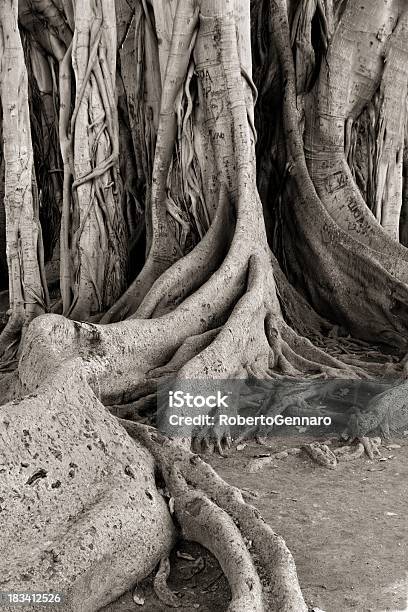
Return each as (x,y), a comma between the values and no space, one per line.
(28,292)
(210,301)
(91,521)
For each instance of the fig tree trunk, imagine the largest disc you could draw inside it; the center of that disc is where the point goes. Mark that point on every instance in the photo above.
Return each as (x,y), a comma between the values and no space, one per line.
(28,294)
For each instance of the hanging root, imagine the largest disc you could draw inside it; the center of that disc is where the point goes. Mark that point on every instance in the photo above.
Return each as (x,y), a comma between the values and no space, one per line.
(321,454)
(164,249)
(27,290)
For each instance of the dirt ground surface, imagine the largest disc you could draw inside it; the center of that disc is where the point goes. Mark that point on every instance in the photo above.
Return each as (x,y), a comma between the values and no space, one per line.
(347,529)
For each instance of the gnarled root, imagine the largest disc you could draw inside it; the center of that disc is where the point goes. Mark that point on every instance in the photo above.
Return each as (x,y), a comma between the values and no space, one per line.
(261,555)
(321,454)
(203,521)
(81,434)
(90,520)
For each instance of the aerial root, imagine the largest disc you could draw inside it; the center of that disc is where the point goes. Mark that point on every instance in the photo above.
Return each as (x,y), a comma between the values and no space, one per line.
(311,356)
(349,452)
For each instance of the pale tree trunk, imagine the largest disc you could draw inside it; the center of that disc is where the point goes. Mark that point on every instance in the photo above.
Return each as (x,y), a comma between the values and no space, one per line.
(142,86)
(375,140)
(390,139)
(339,96)
(42,76)
(3,258)
(27,285)
(98,242)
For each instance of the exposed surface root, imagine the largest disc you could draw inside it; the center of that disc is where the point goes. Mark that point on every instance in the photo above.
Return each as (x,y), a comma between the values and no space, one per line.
(272,560)
(321,454)
(256,562)
(163,248)
(160,585)
(204,521)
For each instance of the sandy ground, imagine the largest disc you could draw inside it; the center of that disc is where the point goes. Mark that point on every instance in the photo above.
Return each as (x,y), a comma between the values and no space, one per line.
(347,530)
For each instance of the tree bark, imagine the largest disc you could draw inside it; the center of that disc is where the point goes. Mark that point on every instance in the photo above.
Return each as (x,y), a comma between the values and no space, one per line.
(28,293)
(98,241)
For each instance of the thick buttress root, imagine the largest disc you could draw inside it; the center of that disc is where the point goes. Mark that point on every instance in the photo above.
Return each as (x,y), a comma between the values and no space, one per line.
(255,560)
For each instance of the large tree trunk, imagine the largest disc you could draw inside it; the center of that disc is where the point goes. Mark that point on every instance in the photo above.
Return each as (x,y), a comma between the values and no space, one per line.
(27,286)
(348,79)
(97,235)
(91,521)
